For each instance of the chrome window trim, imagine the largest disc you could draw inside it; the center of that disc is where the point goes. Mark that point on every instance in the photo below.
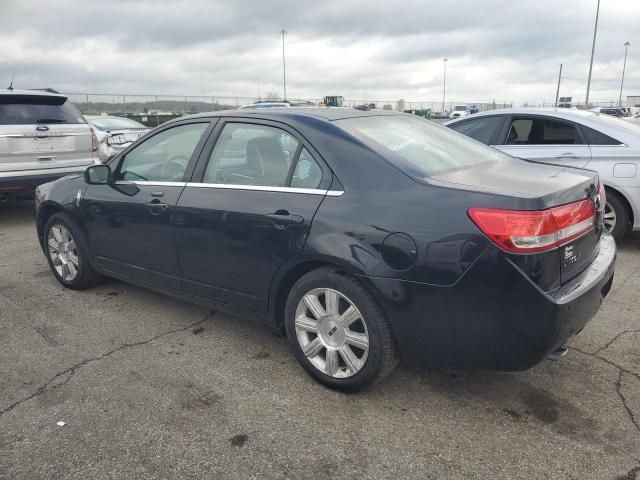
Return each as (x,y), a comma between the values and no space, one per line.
(259,188)
(225,186)
(151,183)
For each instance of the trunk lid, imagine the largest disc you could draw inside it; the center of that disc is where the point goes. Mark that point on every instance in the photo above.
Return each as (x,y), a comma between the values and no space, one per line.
(525,185)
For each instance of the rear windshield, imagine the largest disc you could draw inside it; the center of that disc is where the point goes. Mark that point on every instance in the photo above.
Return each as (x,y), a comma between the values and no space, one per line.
(421,148)
(31,109)
(115,123)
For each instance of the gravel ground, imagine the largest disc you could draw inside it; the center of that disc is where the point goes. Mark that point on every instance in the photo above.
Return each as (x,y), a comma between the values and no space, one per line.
(151,387)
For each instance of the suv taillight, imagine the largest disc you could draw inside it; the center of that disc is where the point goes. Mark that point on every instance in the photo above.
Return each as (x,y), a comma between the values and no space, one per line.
(94,141)
(522,231)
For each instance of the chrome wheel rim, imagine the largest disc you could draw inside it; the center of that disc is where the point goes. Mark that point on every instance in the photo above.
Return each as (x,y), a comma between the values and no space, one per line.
(332,333)
(63,253)
(609,217)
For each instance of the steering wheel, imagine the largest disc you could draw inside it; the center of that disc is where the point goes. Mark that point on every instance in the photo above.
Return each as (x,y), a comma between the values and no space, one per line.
(173,169)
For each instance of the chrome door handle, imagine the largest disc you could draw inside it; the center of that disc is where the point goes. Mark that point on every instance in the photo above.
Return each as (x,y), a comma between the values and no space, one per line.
(282,218)
(156,208)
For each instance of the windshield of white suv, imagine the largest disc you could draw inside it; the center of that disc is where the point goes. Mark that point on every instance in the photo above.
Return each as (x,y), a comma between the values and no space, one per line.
(33,109)
(110,123)
(460,107)
(419,147)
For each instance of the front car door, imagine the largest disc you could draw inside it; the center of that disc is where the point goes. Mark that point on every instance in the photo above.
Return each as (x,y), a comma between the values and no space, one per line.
(247,210)
(129,221)
(544,139)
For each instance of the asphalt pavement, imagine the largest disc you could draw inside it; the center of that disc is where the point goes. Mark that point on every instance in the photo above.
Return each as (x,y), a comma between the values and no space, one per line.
(120,382)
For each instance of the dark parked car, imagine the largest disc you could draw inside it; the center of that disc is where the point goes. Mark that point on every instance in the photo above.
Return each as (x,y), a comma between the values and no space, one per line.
(369,236)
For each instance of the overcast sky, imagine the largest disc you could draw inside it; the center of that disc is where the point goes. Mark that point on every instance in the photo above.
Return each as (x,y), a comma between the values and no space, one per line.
(497,49)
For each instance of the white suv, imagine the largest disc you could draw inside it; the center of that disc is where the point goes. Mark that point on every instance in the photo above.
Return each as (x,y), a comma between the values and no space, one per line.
(43,136)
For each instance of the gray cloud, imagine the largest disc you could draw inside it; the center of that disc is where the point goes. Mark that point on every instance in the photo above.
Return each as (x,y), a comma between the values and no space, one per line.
(380,50)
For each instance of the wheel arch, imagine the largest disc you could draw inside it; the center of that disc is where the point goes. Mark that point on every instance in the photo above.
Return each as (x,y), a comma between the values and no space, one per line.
(45,212)
(288,275)
(623,197)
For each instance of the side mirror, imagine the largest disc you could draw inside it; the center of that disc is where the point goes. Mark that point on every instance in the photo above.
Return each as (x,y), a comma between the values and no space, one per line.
(97,174)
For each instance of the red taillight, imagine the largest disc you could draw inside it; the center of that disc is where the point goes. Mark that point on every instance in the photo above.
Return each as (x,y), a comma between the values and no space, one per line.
(523,231)
(94,141)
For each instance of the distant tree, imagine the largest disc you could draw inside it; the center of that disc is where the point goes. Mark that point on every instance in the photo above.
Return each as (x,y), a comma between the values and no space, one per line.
(388,106)
(401,105)
(493,104)
(272,96)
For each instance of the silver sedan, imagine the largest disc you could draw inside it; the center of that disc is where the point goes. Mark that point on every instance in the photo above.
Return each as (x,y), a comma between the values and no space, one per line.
(578,138)
(114,134)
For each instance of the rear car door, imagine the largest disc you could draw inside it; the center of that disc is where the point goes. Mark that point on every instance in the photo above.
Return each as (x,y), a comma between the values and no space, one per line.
(247,210)
(129,221)
(42,132)
(544,139)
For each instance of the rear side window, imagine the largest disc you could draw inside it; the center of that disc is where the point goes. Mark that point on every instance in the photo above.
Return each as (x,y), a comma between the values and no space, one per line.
(421,148)
(482,129)
(34,109)
(307,173)
(542,131)
(247,154)
(595,137)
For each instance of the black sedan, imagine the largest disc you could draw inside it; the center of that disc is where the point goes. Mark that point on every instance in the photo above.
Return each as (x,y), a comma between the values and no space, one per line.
(369,236)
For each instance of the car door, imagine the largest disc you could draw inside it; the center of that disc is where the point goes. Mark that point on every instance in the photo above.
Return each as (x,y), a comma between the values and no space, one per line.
(544,139)
(247,210)
(129,221)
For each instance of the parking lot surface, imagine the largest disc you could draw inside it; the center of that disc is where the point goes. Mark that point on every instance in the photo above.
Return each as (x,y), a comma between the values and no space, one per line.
(152,387)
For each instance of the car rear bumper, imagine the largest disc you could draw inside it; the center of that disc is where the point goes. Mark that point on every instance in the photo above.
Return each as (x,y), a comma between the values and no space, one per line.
(494,317)
(23,184)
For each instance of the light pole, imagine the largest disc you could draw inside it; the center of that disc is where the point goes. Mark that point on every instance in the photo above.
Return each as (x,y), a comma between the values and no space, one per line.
(593,49)
(284,66)
(624,67)
(558,89)
(444,83)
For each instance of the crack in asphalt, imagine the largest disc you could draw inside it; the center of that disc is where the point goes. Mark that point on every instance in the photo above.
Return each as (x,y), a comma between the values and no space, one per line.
(621,371)
(624,401)
(614,339)
(71,371)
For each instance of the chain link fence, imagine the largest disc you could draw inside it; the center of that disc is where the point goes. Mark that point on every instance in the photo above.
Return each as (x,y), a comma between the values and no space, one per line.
(153,110)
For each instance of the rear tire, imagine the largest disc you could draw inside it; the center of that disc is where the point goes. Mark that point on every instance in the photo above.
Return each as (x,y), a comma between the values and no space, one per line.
(67,253)
(616,211)
(338,331)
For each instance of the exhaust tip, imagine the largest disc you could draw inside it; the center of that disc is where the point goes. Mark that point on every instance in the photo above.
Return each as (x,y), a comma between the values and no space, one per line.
(558,353)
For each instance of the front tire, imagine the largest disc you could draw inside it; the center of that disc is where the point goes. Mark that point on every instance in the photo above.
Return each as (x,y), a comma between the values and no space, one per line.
(68,254)
(616,215)
(338,332)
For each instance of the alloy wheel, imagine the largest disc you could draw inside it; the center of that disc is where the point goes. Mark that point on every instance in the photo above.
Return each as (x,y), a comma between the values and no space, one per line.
(610,217)
(63,252)
(332,333)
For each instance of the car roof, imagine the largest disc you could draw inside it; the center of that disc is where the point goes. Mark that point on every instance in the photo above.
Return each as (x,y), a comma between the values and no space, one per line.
(31,93)
(326,113)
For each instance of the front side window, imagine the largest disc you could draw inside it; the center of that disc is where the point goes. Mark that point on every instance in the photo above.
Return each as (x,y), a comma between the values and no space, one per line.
(482,129)
(247,154)
(163,157)
(542,131)
(419,147)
